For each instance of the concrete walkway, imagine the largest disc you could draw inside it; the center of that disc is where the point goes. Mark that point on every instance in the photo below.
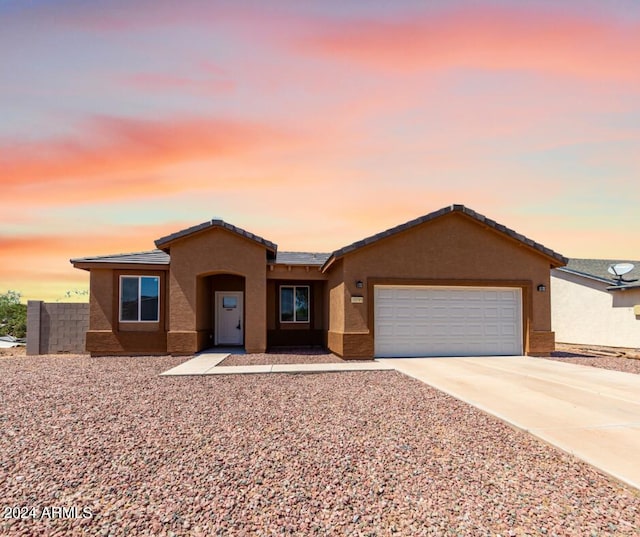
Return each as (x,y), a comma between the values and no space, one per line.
(199,365)
(591,413)
(205,364)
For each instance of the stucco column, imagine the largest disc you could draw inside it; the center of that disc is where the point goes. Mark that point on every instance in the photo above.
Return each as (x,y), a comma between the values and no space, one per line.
(182,337)
(255,335)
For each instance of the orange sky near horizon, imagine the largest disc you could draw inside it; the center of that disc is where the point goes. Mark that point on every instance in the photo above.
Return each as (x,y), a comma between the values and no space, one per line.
(311,125)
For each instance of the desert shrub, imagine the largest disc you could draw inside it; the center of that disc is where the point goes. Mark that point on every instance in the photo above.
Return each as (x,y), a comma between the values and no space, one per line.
(13,315)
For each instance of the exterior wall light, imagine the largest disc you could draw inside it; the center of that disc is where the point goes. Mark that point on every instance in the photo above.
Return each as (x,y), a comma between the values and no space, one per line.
(542,287)
(359,284)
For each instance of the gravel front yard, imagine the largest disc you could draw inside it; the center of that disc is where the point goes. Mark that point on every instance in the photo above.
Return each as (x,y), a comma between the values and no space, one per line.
(362,453)
(573,354)
(301,356)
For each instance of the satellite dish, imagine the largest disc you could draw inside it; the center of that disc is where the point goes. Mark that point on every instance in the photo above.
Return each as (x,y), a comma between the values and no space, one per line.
(620,269)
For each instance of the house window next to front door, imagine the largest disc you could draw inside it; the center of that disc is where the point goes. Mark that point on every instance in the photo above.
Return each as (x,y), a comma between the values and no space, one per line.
(139,298)
(294,304)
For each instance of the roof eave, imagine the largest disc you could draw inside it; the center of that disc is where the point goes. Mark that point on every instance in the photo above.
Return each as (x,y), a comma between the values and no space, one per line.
(88,265)
(624,287)
(327,264)
(583,275)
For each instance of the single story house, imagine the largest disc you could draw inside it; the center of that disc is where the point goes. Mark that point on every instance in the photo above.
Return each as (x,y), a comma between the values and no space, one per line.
(592,306)
(450,283)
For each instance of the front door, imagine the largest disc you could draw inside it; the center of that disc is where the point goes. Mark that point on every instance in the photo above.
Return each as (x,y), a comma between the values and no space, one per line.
(229,321)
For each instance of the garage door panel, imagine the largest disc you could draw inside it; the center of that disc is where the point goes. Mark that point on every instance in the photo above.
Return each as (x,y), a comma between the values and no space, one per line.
(459,330)
(440,312)
(447,321)
(403,312)
(403,294)
(491,312)
(476,330)
(384,293)
(475,312)
(385,312)
(403,330)
(385,330)
(508,330)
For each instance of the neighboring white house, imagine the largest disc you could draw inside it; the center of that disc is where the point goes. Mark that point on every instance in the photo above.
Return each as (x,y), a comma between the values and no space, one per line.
(591,306)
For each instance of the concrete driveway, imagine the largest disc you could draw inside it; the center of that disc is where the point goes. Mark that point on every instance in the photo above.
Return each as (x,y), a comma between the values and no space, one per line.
(591,413)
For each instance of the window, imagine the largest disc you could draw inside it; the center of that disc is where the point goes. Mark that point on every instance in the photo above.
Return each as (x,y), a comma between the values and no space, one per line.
(139,298)
(294,304)
(229,302)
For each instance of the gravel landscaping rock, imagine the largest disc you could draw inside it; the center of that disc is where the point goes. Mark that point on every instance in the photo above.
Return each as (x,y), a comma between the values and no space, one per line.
(282,357)
(615,363)
(359,453)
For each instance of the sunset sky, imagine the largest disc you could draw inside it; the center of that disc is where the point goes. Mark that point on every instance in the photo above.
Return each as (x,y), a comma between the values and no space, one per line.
(312,124)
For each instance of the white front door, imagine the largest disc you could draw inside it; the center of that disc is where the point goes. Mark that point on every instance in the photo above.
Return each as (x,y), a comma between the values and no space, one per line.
(229,321)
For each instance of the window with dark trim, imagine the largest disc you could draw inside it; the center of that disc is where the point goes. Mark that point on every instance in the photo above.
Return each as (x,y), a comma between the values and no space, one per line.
(139,298)
(294,304)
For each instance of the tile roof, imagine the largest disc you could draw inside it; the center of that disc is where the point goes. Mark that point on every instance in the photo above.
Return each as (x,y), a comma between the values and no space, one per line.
(559,259)
(301,258)
(164,241)
(596,269)
(152,257)
(158,257)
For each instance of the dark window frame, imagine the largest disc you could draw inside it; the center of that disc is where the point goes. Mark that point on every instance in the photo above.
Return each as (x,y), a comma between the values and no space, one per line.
(294,288)
(139,299)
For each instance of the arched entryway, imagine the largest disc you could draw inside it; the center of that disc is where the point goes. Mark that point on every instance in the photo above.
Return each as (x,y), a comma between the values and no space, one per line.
(220,316)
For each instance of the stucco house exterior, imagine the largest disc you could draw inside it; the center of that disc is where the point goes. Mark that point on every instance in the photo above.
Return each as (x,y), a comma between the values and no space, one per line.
(593,307)
(450,283)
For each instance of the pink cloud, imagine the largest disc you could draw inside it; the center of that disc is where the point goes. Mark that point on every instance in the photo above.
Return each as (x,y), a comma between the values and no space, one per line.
(132,149)
(164,82)
(488,38)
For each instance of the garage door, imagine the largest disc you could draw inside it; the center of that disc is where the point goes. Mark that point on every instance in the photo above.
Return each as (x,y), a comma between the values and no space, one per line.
(447,321)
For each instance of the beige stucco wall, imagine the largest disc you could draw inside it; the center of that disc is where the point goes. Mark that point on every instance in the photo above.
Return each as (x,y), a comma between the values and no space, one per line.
(584,312)
(101,303)
(215,251)
(337,293)
(451,250)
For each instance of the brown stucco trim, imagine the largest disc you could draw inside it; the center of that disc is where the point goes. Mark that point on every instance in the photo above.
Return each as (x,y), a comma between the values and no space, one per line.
(182,342)
(351,345)
(109,343)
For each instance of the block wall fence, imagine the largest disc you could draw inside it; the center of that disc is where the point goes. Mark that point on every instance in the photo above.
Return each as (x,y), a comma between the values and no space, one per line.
(56,327)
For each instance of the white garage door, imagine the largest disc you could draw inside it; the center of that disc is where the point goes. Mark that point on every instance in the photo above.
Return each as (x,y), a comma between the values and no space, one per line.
(447,321)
